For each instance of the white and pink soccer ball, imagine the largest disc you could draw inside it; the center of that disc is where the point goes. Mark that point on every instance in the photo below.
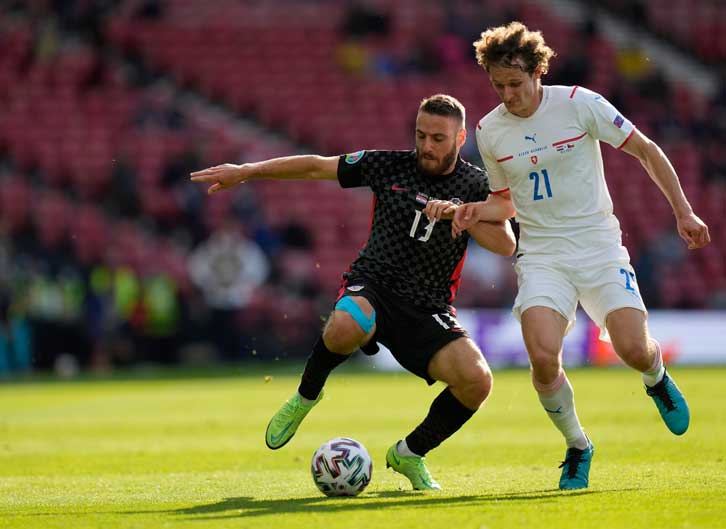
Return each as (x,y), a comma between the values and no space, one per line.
(341,467)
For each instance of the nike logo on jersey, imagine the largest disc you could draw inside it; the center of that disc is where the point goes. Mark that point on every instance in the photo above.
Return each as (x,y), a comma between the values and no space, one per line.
(532,138)
(395,187)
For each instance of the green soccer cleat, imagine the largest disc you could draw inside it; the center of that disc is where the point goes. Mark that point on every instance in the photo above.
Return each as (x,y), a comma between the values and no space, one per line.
(671,404)
(285,422)
(413,467)
(576,468)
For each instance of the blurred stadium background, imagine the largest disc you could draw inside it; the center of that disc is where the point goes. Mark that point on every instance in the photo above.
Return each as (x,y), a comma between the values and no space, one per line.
(109,257)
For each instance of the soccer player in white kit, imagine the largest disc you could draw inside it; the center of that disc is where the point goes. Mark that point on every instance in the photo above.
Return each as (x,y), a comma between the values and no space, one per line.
(541,147)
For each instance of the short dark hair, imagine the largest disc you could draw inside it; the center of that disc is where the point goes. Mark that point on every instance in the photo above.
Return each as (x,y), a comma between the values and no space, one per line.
(444,105)
(503,45)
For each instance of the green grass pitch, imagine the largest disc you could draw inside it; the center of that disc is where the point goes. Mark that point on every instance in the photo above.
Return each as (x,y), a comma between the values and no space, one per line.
(189,452)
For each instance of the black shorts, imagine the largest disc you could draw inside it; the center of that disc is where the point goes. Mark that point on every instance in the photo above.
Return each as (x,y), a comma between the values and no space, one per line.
(413,335)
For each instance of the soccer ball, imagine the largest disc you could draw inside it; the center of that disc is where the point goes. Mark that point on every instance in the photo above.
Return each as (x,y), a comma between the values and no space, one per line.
(341,467)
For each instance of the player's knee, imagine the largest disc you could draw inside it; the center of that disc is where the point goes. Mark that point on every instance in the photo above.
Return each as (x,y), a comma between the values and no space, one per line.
(478,382)
(545,363)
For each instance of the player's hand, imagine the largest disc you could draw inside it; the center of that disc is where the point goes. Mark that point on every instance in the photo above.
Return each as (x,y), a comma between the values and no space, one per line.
(465,217)
(694,231)
(436,210)
(221,176)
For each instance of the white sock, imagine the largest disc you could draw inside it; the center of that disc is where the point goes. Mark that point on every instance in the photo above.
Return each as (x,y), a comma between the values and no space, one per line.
(655,374)
(560,408)
(403,449)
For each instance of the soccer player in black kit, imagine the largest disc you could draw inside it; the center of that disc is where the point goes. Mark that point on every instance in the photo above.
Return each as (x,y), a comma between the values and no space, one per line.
(399,290)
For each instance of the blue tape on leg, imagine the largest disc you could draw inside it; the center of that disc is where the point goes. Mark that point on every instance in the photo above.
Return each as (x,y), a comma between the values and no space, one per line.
(351,307)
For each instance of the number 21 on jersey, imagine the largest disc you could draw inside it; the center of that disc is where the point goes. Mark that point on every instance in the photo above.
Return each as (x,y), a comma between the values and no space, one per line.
(541,179)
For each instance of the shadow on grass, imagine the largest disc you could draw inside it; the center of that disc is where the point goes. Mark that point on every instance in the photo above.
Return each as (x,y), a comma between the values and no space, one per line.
(248,506)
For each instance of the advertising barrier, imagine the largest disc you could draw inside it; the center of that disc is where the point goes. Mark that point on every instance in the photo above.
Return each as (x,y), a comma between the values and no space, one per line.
(686,337)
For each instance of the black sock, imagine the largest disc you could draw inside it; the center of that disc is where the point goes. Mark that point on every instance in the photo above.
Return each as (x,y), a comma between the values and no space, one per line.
(319,365)
(446,415)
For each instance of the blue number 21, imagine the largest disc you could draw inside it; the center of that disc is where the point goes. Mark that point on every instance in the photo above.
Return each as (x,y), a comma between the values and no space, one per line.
(535,176)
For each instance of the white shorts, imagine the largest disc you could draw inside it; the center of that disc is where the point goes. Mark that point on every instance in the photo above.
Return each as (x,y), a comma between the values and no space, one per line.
(601,286)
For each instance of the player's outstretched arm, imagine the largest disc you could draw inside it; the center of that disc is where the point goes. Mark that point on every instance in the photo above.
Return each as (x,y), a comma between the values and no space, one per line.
(495,236)
(308,167)
(497,207)
(691,228)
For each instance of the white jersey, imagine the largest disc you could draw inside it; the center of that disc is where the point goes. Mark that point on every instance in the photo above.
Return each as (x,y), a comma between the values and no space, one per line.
(552,165)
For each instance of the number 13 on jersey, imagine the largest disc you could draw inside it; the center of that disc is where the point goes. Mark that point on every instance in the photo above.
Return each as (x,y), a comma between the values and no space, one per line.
(544,178)
(429,227)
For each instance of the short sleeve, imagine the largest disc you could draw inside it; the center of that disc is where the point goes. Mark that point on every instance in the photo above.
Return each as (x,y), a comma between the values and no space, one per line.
(497,180)
(351,170)
(601,119)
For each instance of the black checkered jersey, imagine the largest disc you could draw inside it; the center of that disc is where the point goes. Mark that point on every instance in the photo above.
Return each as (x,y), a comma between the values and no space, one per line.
(415,259)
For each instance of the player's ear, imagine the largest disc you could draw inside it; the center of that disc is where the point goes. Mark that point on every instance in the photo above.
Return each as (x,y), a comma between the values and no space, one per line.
(461,138)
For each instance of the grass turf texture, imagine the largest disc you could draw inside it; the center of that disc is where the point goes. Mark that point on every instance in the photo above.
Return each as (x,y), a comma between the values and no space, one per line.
(189,452)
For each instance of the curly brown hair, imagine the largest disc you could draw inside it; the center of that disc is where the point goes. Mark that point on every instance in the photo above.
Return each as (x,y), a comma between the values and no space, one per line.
(515,46)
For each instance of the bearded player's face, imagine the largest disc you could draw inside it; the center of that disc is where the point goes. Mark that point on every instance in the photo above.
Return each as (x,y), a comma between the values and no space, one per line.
(438,140)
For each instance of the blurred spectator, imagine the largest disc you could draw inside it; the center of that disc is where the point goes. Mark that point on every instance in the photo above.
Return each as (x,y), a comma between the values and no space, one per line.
(123,194)
(6,258)
(363,18)
(714,164)
(162,314)
(353,57)
(653,86)
(15,330)
(150,10)
(100,317)
(293,234)
(468,18)
(423,57)
(296,273)
(632,63)
(56,309)
(575,69)
(227,268)
(16,343)
(633,11)
(179,166)
(660,250)
(47,40)
(159,108)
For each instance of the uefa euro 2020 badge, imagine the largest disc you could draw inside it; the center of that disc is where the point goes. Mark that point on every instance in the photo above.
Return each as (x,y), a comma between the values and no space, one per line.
(354,157)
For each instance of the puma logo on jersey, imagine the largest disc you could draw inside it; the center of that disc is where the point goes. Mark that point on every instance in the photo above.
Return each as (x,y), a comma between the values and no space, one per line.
(532,138)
